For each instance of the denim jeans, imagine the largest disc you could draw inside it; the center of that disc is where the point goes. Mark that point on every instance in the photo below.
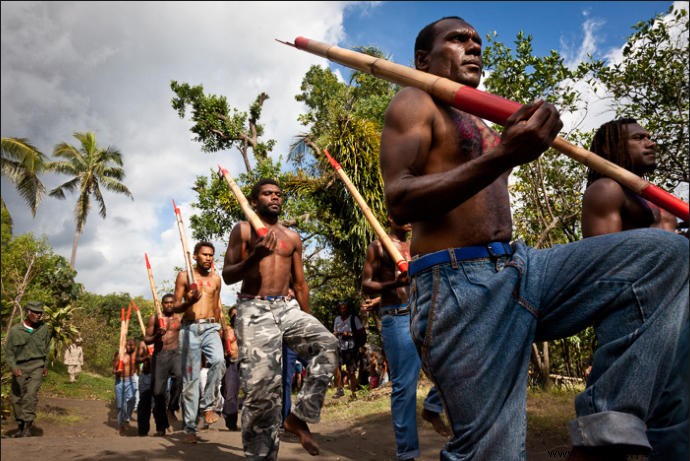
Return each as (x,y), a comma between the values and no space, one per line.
(197,339)
(124,399)
(403,368)
(474,322)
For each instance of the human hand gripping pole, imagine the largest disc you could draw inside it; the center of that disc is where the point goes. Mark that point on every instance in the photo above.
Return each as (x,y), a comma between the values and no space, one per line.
(185,249)
(400,261)
(156,301)
(490,107)
(249,213)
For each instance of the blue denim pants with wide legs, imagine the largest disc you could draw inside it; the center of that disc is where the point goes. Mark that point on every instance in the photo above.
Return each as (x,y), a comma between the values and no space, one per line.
(124,399)
(197,339)
(474,321)
(403,368)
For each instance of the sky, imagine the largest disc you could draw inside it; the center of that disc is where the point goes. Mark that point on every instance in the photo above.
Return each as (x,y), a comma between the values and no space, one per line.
(106,67)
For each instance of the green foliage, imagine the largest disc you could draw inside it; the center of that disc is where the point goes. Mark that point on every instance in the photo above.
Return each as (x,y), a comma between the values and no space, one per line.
(216,128)
(651,84)
(22,164)
(546,193)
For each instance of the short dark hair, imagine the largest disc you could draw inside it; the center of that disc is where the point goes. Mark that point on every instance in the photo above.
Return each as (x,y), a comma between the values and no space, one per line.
(254,194)
(167,295)
(608,143)
(425,38)
(204,243)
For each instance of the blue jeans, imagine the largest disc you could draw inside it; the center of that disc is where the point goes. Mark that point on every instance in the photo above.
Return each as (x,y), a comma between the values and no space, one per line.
(474,322)
(197,339)
(403,368)
(124,398)
(289,358)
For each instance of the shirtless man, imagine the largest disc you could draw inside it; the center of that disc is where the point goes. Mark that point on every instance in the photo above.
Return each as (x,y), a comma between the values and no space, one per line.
(199,334)
(125,388)
(268,266)
(166,363)
(478,302)
(609,207)
(381,277)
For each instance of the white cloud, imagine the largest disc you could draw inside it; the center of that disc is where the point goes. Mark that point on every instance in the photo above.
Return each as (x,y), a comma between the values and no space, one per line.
(106,67)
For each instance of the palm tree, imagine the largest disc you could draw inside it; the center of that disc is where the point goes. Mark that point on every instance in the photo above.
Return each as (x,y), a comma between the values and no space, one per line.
(22,163)
(92,168)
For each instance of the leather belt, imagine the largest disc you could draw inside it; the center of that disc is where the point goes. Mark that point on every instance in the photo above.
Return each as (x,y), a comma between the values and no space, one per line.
(396,312)
(490,250)
(266,298)
(200,321)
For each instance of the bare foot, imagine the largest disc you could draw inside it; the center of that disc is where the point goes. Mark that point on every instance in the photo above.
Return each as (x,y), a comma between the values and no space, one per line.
(298,427)
(436,421)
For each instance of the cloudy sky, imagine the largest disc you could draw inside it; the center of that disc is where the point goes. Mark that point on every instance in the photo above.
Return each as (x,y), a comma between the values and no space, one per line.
(106,67)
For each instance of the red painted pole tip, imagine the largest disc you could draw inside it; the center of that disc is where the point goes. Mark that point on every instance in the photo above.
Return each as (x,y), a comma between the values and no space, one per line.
(148,264)
(333,162)
(301,43)
(223,170)
(122,314)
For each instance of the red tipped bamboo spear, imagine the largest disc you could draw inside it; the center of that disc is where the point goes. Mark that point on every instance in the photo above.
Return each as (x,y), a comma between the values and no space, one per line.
(185,249)
(400,261)
(490,107)
(249,213)
(127,317)
(156,302)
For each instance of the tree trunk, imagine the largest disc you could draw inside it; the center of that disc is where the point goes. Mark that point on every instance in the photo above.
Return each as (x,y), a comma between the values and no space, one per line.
(17,301)
(73,258)
(542,364)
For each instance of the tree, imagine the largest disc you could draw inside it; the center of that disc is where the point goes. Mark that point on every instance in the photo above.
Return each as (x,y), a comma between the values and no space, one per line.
(546,192)
(651,84)
(22,164)
(216,128)
(92,168)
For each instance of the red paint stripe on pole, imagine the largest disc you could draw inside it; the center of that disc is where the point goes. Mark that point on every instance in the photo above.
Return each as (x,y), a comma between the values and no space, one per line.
(484,105)
(333,161)
(301,43)
(666,201)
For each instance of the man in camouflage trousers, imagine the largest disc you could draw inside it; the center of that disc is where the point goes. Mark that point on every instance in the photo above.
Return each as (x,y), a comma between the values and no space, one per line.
(268,267)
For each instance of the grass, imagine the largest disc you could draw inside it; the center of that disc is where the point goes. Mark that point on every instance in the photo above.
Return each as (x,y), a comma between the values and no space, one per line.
(89,386)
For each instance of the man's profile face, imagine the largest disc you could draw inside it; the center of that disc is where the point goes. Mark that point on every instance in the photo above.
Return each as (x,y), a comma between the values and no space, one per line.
(269,201)
(456,53)
(641,149)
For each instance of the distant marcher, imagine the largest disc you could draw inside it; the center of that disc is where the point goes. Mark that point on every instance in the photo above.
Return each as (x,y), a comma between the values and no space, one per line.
(145,388)
(348,354)
(166,363)
(74,359)
(28,343)
(125,386)
(230,387)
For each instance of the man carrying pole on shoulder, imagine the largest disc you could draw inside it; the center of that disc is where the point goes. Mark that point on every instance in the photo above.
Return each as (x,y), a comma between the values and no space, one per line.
(268,266)
(197,295)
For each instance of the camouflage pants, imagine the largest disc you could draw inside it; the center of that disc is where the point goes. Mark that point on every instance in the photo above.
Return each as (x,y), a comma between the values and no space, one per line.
(261,328)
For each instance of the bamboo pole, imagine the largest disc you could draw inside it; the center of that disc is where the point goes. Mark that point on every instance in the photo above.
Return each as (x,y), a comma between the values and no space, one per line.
(152,285)
(185,249)
(400,261)
(249,213)
(490,107)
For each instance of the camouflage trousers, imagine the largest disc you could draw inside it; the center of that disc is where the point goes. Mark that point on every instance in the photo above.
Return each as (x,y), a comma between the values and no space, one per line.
(261,328)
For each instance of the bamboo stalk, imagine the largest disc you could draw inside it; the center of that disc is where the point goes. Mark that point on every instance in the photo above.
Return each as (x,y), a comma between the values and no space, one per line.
(249,213)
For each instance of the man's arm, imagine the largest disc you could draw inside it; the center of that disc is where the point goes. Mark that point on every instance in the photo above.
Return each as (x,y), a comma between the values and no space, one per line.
(299,284)
(184,299)
(152,333)
(413,193)
(10,357)
(372,265)
(601,208)
(238,259)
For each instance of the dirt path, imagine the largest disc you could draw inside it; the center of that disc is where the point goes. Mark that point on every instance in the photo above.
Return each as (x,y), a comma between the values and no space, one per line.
(90,434)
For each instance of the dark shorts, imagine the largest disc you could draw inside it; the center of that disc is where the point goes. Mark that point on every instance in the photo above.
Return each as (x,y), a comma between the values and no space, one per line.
(348,358)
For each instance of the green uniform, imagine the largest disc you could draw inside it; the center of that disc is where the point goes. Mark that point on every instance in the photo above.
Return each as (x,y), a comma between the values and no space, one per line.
(27,350)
